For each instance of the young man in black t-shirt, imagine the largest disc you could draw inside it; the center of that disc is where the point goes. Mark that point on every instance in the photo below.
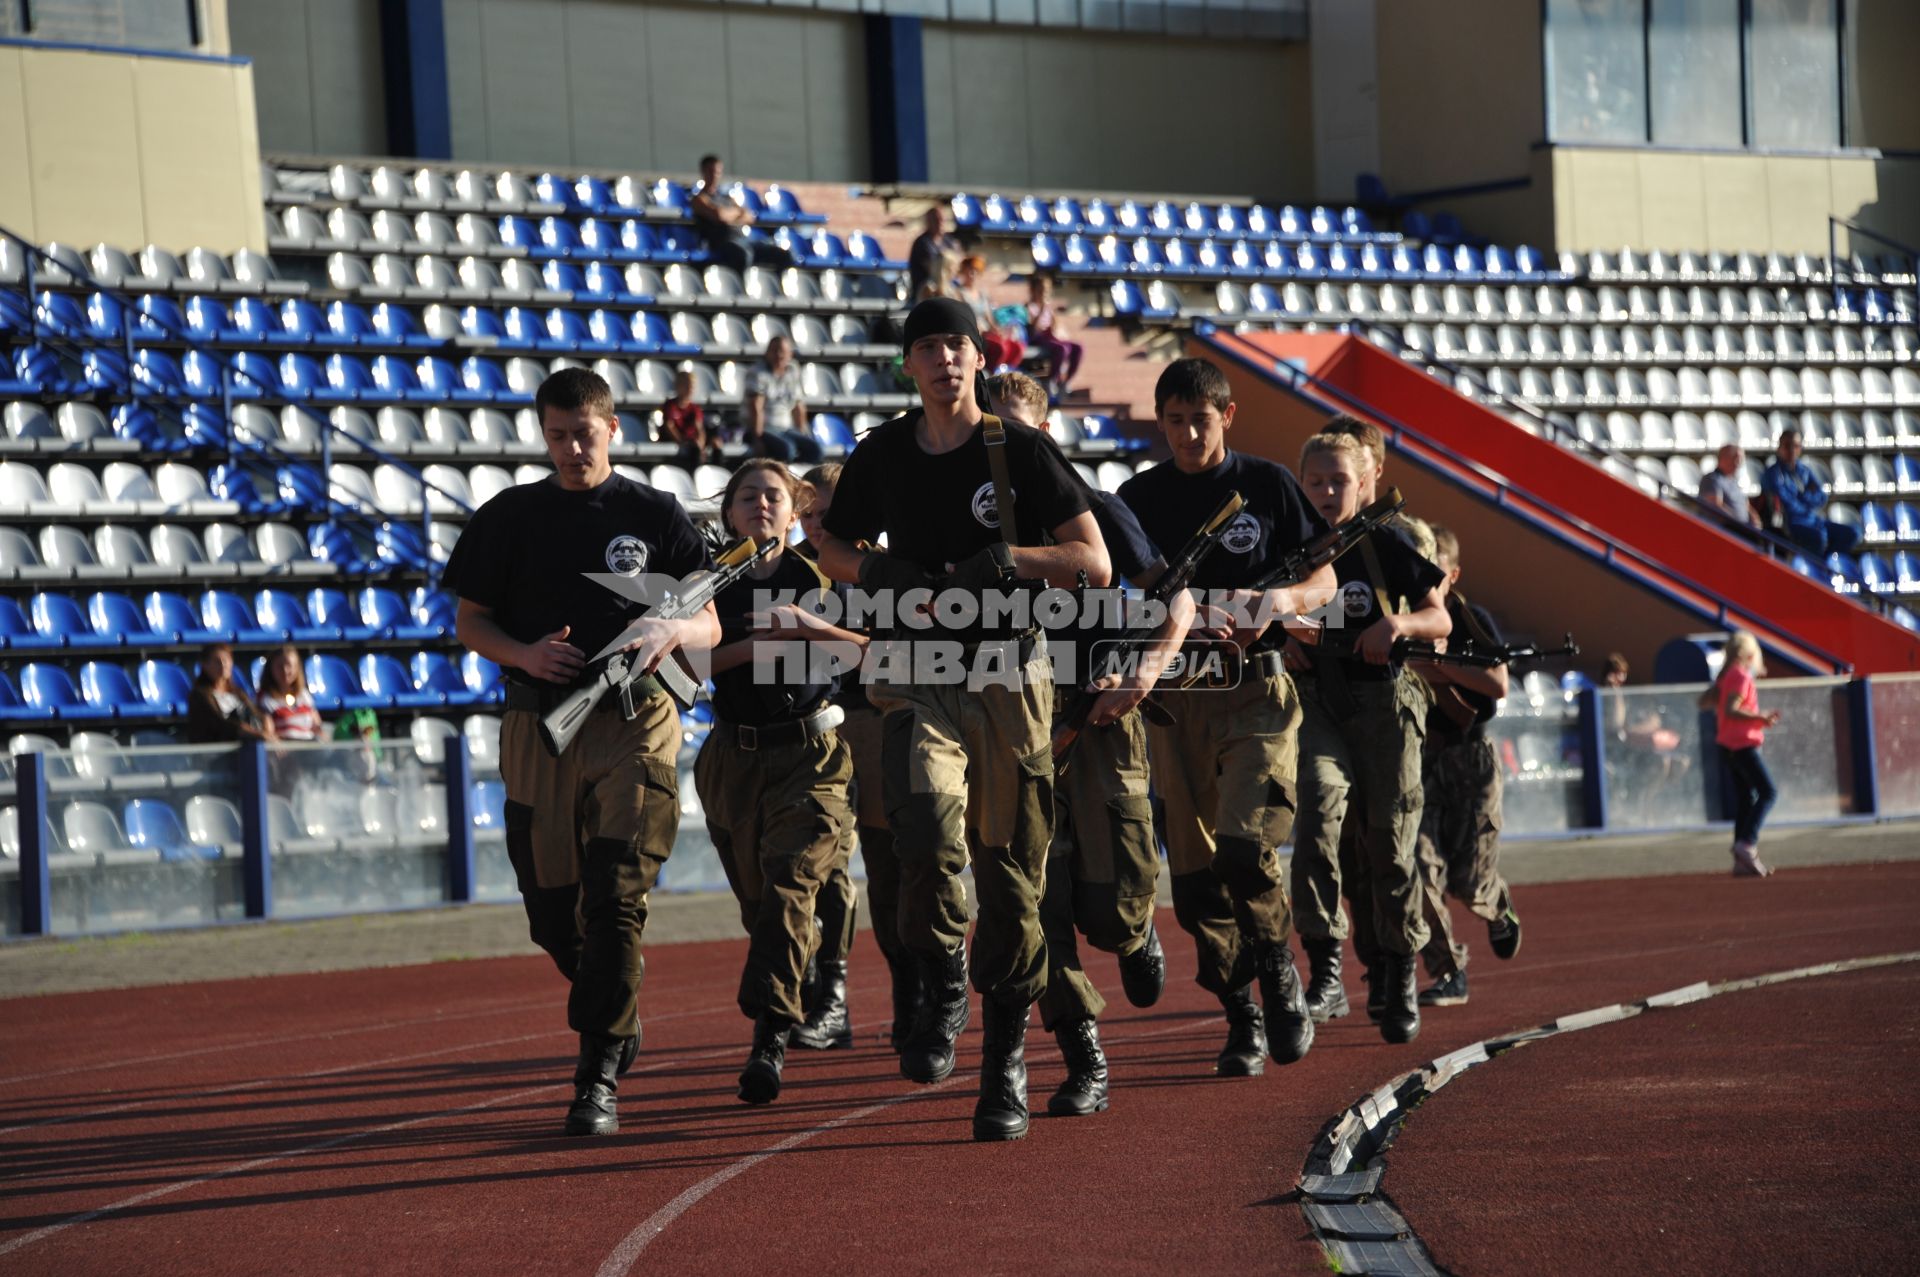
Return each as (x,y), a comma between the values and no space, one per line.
(968,769)
(1365,721)
(588,831)
(1225,767)
(1459,845)
(1103,867)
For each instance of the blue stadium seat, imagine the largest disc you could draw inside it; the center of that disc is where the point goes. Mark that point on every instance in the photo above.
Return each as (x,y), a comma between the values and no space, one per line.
(484,381)
(333,686)
(253,490)
(384,611)
(348,380)
(106,318)
(1340,259)
(482,677)
(591,194)
(301,487)
(1906,521)
(1529,265)
(17,633)
(1046,253)
(1876,522)
(158,318)
(1309,260)
(516,328)
(302,322)
(62,314)
(679,244)
(227,612)
(432,612)
(111,613)
(400,545)
(782,206)
(1906,472)
(160,374)
(488,806)
(1321,223)
(609,331)
(1467,263)
(153,825)
(396,326)
(549,189)
(333,609)
(558,238)
(1447,229)
(49,692)
(1498,263)
(831,431)
(1355,224)
(669,195)
(179,621)
(206,319)
(518,233)
(655,334)
(252,322)
(434,674)
(345,548)
(164,683)
(382,677)
(564,277)
(439,379)
(393,378)
(282,613)
(1876,574)
(59,620)
(599,282)
(13,705)
(965,210)
(1906,571)
(1906,619)
(1372,263)
(302,377)
(107,687)
(1096,217)
(1844,573)
(348,324)
(567,330)
(863,250)
(598,241)
(1436,261)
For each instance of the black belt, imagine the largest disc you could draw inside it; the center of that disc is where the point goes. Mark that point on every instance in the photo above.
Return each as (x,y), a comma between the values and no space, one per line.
(539,698)
(794,731)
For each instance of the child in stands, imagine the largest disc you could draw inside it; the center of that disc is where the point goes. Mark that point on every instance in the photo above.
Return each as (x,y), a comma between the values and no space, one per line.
(1741,729)
(682,421)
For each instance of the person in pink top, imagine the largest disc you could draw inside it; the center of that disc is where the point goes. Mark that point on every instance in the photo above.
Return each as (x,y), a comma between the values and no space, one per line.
(1740,730)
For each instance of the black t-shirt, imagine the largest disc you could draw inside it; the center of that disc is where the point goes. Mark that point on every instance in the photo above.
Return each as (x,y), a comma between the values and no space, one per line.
(1275,520)
(737,697)
(527,554)
(1131,552)
(1406,577)
(1482,629)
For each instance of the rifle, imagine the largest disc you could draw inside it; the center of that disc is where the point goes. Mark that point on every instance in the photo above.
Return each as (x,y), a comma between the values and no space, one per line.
(1319,552)
(616,671)
(1459,711)
(1176,578)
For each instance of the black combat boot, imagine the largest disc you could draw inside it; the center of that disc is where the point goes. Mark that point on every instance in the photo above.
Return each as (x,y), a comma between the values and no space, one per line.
(595,1080)
(827,1025)
(1084,1093)
(1143,973)
(1289,1027)
(908,994)
(760,1080)
(1326,996)
(1376,990)
(927,1055)
(1400,1020)
(629,1052)
(1001,1113)
(1245,1054)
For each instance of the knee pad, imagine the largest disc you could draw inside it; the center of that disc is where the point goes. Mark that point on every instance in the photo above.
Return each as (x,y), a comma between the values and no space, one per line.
(551,921)
(922,823)
(1199,898)
(1102,919)
(1243,865)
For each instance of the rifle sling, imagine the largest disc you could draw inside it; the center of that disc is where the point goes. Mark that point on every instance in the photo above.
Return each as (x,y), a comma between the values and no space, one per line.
(994,432)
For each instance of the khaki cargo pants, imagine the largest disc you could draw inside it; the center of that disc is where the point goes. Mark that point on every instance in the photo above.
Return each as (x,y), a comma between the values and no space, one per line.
(587,833)
(1103,866)
(1375,750)
(868,830)
(969,776)
(1459,846)
(776,816)
(1225,771)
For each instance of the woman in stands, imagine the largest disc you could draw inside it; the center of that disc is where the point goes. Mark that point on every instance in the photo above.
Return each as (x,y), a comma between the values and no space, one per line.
(773,773)
(1004,348)
(284,697)
(220,710)
(1741,729)
(1046,334)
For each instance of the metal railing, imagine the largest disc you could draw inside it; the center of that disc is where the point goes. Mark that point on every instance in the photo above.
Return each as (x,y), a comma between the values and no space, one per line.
(1834,266)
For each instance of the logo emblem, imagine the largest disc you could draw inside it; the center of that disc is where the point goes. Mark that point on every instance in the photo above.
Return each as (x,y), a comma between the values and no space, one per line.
(1356,599)
(985,508)
(626,556)
(1241,535)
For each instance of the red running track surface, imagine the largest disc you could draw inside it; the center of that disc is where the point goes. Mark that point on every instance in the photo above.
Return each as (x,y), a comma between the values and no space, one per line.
(405,1117)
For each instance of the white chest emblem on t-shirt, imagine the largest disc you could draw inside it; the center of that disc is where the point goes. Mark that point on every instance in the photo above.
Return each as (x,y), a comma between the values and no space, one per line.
(1356,598)
(985,508)
(1241,535)
(626,556)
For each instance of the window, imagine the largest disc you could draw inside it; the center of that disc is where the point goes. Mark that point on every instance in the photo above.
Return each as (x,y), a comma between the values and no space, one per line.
(1693,72)
(135,24)
(1597,68)
(1794,60)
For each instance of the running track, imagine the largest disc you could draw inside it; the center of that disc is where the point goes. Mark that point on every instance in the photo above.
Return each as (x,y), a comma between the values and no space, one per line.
(403,1118)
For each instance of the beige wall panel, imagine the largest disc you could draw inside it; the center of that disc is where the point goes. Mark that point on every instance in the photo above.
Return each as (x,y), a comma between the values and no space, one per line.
(994,73)
(1738,217)
(251,194)
(608,84)
(1854,184)
(1606,194)
(1673,203)
(1897,211)
(16,194)
(274,34)
(1799,198)
(524,59)
(83,144)
(767,92)
(687,70)
(191,172)
(218,30)
(466,81)
(1343,53)
(1460,94)
(943,126)
(836,67)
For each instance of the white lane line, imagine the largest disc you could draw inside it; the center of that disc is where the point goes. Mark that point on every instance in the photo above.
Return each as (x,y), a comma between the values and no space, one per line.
(240,1168)
(621,1260)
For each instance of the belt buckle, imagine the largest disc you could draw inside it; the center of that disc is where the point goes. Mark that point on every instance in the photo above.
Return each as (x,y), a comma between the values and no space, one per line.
(749,737)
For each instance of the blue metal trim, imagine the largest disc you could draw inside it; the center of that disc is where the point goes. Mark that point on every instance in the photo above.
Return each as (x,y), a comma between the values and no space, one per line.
(36,892)
(125,51)
(1866,778)
(256,863)
(459,822)
(413,55)
(896,98)
(1593,767)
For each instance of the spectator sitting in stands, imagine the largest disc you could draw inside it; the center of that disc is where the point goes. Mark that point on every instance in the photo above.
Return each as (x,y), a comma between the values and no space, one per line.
(1046,334)
(1796,491)
(776,410)
(723,223)
(284,698)
(923,258)
(683,423)
(1720,490)
(220,710)
(1004,349)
